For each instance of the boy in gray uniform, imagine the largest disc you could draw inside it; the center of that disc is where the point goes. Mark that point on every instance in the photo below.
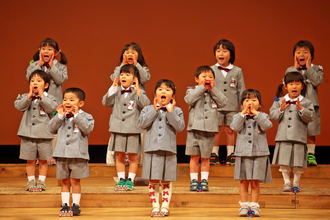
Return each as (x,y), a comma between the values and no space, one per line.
(37,106)
(73,126)
(204,101)
(293,112)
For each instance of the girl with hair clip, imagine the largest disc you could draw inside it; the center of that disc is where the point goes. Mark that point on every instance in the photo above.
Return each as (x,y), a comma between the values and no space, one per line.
(51,60)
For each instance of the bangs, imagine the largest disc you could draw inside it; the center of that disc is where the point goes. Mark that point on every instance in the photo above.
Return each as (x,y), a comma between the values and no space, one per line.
(250,95)
(49,42)
(293,77)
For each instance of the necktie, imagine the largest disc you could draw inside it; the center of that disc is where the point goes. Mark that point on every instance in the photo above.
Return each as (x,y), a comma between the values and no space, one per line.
(221,68)
(249,117)
(302,68)
(35,97)
(291,102)
(127,90)
(70,115)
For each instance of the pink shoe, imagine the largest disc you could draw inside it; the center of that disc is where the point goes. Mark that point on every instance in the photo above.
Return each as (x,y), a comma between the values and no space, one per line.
(287,187)
(243,211)
(256,211)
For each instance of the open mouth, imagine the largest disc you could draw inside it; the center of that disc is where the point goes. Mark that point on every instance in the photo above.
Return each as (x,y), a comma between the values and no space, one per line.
(46,56)
(221,59)
(207,84)
(294,91)
(123,81)
(68,107)
(301,60)
(130,59)
(163,98)
(36,87)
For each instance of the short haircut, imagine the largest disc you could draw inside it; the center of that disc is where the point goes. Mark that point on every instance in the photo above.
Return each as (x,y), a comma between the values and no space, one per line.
(304,43)
(295,76)
(227,45)
(251,93)
(167,82)
(42,75)
(130,68)
(79,92)
(201,69)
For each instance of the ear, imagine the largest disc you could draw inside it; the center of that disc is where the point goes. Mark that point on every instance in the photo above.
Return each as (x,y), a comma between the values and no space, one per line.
(46,85)
(196,79)
(284,86)
(173,96)
(81,104)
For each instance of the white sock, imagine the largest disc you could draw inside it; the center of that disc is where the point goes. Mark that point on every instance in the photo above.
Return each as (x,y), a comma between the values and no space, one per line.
(296,177)
(132,176)
(31,178)
(215,150)
(230,150)
(286,177)
(311,148)
(41,177)
(254,204)
(204,175)
(121,175)
(65,197)
(76,198)
(194,176)
(166,195)
(154,195)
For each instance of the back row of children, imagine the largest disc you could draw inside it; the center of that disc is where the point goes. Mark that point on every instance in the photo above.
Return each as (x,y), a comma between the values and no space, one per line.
(220,93)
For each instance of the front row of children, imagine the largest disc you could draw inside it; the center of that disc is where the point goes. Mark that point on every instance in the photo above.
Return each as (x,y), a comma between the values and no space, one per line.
(162,120)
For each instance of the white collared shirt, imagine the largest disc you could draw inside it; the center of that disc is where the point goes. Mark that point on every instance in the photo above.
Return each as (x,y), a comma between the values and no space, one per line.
(224,73)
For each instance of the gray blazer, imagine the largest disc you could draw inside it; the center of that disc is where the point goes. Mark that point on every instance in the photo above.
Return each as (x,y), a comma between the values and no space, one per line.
(202,116)
(123,119)
(292,123)
(143,70)
(232,93)
(251,135)
(72,136)
(313,78)
(34,121)
(58,74)
(161,128)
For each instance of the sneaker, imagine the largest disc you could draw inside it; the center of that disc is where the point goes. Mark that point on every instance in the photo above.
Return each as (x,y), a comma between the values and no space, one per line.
(230,160)
(287,187)
(243,211)
(120,184)
(65,210)
(51,161)
(41,185)
(256,211)
(165,211)
(75,208)
(311,160)
(127,161)
(31,186)
(204,185)
(214,159)
(295,187)
(129,185)
(193,185)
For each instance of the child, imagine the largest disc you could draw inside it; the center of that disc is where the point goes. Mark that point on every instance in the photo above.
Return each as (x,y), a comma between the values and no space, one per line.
(73,126)
(303,53)
(229,79)
(280,92)
(252,161)
(293,112)
(131,54)
(162,121)
(37,106)
(127,101)
(50,59)
(203,101)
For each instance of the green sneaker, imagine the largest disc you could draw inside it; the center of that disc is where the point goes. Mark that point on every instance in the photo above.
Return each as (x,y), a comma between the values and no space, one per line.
(311,160)
(129,185)
(120,184)
(193,185)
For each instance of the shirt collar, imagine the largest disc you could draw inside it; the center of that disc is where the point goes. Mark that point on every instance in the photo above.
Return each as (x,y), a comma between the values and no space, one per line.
(287,98)
(228,67)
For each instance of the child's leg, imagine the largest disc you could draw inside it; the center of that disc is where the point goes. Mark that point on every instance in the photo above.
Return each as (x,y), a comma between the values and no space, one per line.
(30,168)
(255,190)
(43,168)
(205,169)
(166,197)
(133,166)
(65,194)
(286,177)
(230,136)
(154,197)
(243,189)
(194,166)
(214,159)
(120,164)
(311,160)
(297,171)
(76,195)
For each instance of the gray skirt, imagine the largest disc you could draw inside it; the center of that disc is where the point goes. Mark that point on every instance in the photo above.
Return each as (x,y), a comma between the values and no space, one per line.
(130,143)
(314,127)
(253,168)
(160,165)
(292,154)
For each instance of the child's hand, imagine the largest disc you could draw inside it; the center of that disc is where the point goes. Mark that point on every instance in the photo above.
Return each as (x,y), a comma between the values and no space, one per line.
(283,105)
(245,110)
(60,110)
(211,84)
(40,92)
(41,61)
(74,109)
(253,110)
(51,61)
(30,92)
(308,62)
(172,106)
(155,104)
(135,58)
(299,105)
(115,83)
(296,62)
(137,86)
(124,59)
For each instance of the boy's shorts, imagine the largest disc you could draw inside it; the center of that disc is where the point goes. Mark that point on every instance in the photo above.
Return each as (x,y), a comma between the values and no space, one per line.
(33,148)
(200,142)
(75,168)
(225,118)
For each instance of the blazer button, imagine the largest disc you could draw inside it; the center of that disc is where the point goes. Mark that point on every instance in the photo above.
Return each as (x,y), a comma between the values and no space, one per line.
(67,143)
(225,82)
(205,110)
(159,135)
(249,126)
(68,135)
(123,112)
(123,119)
(289,126)
(33,123)
(34,108)
(249,134)
(289,118)
(206,117)
(124,104)
(290,111)
(34,116)
(160,127)
(250,142)
(69,127)
(205,102)
(160,119)
(225,90)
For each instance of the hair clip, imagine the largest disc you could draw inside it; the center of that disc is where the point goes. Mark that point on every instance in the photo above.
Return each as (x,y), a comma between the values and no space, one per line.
(59,51)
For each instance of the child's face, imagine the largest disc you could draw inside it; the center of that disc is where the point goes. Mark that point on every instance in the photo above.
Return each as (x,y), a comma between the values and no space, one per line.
(248,103)
(302,54)
(222,55)
(294,88)
(164,94)
(46,53)
(130,53)
(69,100)
(126,79)
(38,82)
(208,76)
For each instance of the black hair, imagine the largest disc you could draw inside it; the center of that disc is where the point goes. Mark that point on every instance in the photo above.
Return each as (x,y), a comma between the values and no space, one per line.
(295,76)
(79,92)
(251,93)
(52,43)
(42,75)
(304,43)
(167,82)
(226,44)
(136,47)
(201,69)
(130,68)
(279,91)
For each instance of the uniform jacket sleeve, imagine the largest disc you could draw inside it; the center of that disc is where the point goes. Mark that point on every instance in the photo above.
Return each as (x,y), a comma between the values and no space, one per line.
(175,119)
(22,103)
(193,95)
(85,123)
(147,117)
(219,97)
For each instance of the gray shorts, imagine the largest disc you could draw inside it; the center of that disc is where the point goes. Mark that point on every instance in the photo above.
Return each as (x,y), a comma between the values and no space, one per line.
(200,142)
(130,143)
(33,148)
(314,127)
(225,118)
(75,168)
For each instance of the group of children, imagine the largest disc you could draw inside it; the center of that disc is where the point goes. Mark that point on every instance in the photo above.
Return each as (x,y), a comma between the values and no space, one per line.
(218,101)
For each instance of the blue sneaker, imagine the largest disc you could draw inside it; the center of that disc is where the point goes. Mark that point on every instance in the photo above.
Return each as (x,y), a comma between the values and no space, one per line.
(204,185)
(193,185)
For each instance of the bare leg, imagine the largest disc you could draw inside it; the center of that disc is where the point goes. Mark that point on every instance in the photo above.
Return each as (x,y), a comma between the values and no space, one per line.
(120,161)
(194,163)
(255,191)
(43,167)
(244,193)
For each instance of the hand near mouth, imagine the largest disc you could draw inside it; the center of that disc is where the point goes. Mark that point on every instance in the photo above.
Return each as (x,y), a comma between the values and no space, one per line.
(40,92)
(245,110)
(124,59)
(253,110)
(115,83)
(135,58)
(296,62)
(74,109)
(283,105)
(51,60)
(137,86)
(308,62)
(299,105)
(155,104)
(30,92)
(172,106)
(41,61)
(60,110)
